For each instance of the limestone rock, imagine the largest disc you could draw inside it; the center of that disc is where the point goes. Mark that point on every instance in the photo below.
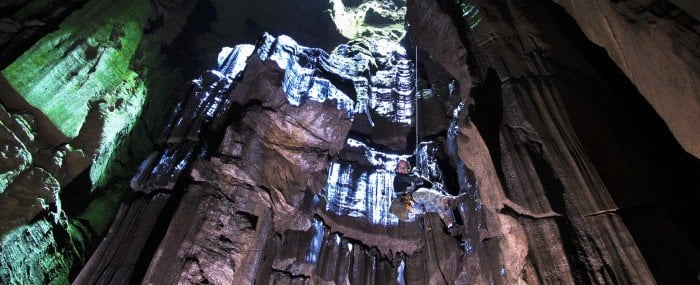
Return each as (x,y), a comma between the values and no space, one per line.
(428,22)
(77,102)
(21,245)
(14,153)
(665,68)
(30,194)
(370,19)
(276,166)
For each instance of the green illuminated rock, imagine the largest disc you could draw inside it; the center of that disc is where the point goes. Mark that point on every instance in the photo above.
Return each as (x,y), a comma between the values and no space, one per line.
(39,253)
(33,192)
(37,242)
(85,61)
(81,78)
(14,157)
(107,202)
(91,78)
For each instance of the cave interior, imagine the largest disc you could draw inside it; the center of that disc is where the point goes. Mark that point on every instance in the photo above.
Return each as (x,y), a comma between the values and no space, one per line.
(240,142)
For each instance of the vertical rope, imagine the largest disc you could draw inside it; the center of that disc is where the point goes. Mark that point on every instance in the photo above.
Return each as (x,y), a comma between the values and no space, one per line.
(415,152)
(437,258)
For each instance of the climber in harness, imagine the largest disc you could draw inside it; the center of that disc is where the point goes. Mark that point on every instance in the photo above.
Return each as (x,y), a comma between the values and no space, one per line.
(413,198)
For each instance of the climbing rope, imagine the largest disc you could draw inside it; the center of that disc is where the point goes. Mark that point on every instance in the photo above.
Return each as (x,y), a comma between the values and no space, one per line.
(437,259)
(415,152)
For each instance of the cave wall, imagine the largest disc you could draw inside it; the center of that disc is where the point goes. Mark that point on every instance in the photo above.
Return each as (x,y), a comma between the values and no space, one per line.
(267,168)
(655,44)
(559,127)
(247,205)
(86,88)
(74,100)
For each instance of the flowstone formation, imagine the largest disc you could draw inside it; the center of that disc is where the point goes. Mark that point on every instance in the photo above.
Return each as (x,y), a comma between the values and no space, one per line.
(557,171)
(285,111)
(76,81)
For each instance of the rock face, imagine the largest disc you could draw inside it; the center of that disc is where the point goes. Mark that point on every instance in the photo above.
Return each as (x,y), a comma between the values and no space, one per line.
(266,204)
(670,55)
(370,19)
(74,123)
(246,205)
(538,123)
(24,22)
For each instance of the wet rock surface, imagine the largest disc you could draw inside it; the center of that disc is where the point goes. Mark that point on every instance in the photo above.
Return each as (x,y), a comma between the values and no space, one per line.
(370,19)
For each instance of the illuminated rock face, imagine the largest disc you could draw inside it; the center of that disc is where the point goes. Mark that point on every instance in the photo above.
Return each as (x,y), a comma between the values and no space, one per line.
(378,19)
(372,77)
(293,120)
(300,65)
(16,147)
(186,131)
(558,152)
(77,114)
(100,63)
(363,190)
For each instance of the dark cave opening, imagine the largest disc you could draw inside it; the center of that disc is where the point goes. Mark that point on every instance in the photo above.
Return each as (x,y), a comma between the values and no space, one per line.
(203,36)
(76,194)
(646,171)
(183,49)
(16,45)
(487,116)
(160,228)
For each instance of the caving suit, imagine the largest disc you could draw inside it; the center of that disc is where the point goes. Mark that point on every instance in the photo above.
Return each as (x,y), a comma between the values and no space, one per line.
(426,199)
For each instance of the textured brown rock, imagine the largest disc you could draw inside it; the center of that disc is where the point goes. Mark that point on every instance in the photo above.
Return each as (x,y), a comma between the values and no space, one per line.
(428,23)
(211,236)
(29,194)
(547,175)
(512,243)
(557,194)
(287,153)
(113,261)
(655,44)
(250,217)
(284,158)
